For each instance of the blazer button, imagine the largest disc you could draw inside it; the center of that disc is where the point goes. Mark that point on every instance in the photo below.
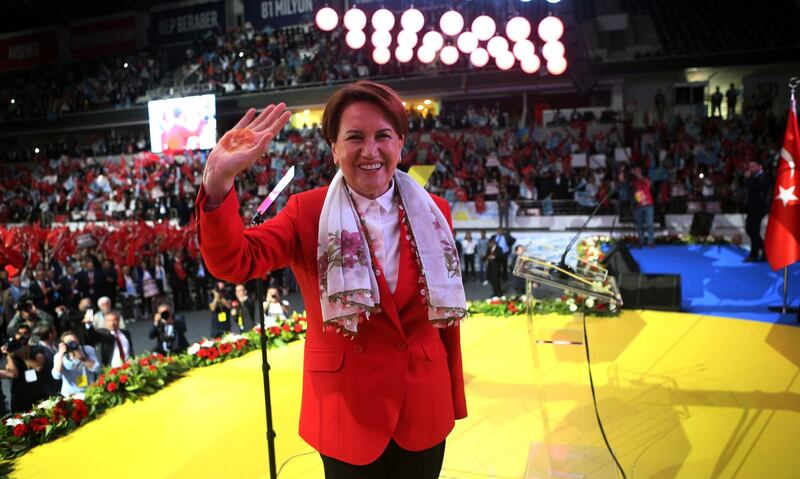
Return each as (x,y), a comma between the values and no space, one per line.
(401,346)
(358,348)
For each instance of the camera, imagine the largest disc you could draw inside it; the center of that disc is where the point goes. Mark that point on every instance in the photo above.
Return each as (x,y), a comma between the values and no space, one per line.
(25,306)
(72,346)
(165,314)
(13,345)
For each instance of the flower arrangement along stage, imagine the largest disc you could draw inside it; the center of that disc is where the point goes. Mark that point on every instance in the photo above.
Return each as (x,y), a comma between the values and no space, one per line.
(136,378)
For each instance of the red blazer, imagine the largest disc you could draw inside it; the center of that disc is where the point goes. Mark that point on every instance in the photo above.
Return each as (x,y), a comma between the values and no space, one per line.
(400,378)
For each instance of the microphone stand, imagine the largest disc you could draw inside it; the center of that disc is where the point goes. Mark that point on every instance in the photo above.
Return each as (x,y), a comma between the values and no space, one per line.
(257,220)
(563,262)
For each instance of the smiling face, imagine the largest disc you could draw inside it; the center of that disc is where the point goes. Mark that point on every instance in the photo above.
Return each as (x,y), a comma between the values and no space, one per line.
(367,149)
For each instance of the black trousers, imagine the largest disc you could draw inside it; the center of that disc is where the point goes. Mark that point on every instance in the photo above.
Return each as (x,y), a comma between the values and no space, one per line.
(752,225)
(394,463)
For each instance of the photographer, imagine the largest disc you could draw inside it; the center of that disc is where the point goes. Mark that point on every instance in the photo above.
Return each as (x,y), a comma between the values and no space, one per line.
(220,305)
(274,307)
(25,367)
(242,310)
(169,331)
(29,314)
(74,364)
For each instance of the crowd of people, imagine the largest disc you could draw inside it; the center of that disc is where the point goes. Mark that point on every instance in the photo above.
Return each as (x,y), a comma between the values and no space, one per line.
(47,92)
(62,320)
(234,61)
(479,155)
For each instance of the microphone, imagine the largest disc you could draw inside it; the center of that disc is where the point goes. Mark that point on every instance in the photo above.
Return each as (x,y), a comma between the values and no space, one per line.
(562,264)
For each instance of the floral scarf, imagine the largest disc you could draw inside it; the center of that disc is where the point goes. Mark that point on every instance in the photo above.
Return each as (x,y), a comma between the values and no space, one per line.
(348,285)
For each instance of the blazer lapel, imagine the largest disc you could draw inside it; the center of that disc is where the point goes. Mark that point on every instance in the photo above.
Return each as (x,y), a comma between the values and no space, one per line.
(387,303)
(407,276)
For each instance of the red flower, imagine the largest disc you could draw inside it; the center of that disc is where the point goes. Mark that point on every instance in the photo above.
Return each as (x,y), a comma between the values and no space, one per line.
(286,327)
(123,378)
(225,348)
(20,430)
(125,366)
(152,368)
(298,328)
(213,353)
(203,353)
(101,380)
(39,424)
(111,387)
(274,330)
(495,301)
(144,363)
(59,413)
(79,410)
(113,371)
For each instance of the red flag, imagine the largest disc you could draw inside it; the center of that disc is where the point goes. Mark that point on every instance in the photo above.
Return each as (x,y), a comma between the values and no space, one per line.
(782,242)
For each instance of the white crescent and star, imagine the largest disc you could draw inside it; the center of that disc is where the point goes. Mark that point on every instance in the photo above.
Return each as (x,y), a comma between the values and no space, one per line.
(786,155)
(786,195)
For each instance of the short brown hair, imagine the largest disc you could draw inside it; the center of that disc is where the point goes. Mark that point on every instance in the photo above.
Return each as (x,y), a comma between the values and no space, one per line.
(380,95)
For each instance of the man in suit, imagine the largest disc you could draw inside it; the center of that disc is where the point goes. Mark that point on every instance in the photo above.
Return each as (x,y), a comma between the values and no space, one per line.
(115,345)
(68,288)
(759,190)
(504,242)
(90,281)
(169,331)
(41,290)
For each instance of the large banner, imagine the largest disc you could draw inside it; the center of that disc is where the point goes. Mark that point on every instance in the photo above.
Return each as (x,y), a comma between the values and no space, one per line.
(28,50)
(98,38)
(171,25)
(278,13)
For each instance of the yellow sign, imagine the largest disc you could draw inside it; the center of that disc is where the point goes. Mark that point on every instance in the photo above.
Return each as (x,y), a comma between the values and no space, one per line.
(421,173)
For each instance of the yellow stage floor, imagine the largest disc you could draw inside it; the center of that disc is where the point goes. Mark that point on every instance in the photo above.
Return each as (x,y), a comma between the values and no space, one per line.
(681,396)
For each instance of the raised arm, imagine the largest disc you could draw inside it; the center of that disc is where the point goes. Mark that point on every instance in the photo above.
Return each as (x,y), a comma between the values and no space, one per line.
(231,253)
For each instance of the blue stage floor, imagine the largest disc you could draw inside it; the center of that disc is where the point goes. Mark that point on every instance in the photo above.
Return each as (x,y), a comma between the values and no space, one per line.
(715,281)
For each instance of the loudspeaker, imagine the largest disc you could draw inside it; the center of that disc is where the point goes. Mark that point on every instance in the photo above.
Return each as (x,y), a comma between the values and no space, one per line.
(650,291)
(701,224)
(620,260)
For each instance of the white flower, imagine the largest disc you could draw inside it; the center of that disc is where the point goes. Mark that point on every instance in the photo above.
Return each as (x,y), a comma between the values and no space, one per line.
(503,298)
(193,349)
(590,302)
(207,343)
(573,307)
(231,338)
(14,422)
(570,300)
(47,404)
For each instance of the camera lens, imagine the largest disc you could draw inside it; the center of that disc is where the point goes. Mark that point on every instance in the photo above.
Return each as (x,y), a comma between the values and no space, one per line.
(164,314)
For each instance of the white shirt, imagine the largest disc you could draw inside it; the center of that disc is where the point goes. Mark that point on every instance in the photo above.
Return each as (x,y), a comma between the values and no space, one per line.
(116,359)
(469,246)
(382,217)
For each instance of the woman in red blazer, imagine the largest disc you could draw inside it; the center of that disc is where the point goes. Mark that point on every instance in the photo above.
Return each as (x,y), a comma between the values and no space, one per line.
(379,273)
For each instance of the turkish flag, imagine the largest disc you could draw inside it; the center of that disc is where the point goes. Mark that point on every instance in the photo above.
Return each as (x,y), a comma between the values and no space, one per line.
(782,242)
